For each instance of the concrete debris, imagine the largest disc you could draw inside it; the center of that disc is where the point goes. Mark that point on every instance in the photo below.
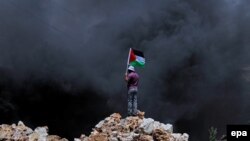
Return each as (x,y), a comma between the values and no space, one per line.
(20,132)
(161,135)
(180,137)
(132,128)
(149,125)
(112,128)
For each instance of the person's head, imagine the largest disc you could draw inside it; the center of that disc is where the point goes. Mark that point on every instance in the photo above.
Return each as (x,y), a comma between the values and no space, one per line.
(131,69)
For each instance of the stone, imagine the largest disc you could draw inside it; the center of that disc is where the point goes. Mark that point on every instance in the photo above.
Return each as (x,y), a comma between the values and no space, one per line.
(144,138)
(55,138)
(140,114)
(42,132)
(161,135)
(114,139)
(180,137)
(167,127)
(99,137)
(100,124)
(34,137)
(147,125)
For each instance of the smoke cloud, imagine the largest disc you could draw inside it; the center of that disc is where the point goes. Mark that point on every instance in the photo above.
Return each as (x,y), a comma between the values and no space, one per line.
(63,62)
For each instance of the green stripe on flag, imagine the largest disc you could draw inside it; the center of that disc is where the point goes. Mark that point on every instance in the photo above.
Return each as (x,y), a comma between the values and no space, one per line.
(137,64)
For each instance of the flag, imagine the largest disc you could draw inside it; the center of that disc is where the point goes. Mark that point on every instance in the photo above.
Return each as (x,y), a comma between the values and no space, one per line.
(136,58)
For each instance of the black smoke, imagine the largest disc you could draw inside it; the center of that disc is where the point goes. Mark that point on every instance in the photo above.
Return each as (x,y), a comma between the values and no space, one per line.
(62,62)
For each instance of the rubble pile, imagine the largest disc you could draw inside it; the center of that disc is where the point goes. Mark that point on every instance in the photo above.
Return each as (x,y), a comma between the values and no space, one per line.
(133,128)
(112,128)
(20,132)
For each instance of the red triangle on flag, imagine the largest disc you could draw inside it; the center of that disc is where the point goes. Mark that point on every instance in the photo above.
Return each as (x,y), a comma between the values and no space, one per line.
(132,56)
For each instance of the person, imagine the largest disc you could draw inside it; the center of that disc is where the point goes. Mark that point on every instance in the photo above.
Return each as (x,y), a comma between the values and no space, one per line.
(132,79)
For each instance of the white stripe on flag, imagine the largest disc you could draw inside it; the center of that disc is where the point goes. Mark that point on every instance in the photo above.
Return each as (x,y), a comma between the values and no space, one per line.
(140,59)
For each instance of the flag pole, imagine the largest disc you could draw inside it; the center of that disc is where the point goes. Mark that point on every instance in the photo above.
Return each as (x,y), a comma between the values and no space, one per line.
(128,60)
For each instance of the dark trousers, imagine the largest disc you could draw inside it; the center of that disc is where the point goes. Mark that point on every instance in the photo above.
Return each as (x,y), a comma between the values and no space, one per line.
(132,102)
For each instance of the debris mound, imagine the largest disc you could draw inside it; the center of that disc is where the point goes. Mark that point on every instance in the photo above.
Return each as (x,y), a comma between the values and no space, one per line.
(132,128)
(112,128)
(20,132)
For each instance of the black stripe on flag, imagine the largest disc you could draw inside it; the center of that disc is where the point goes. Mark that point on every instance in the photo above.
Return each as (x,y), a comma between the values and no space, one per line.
(138,53)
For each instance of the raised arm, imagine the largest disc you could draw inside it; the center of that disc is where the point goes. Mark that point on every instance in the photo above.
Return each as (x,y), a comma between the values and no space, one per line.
(126,77)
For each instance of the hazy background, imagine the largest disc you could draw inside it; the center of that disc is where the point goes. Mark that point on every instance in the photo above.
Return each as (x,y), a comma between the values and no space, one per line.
(62,62)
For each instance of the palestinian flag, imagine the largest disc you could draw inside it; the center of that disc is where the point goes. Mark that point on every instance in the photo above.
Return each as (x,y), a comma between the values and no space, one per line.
(136,58)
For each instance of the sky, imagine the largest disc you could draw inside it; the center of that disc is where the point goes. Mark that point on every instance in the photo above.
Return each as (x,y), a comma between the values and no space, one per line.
(62,63)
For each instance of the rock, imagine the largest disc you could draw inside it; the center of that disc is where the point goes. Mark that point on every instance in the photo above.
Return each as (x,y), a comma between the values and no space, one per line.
(131,123)
(100,124)
(114,139)
(185,137)
(5,132)
(55,138)
(116,117)
(114,133)
(144,138)
(20,123)
(42,132)
(13,125)
(125,137)
(180,137)
(167,127)
(22,128)
(161,135)
(34,137)
(82,138)
(99,137)
(147,125)
(141,114)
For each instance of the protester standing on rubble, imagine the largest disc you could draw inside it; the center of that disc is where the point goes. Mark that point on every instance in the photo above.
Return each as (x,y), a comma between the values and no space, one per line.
(132,79)
(135,59)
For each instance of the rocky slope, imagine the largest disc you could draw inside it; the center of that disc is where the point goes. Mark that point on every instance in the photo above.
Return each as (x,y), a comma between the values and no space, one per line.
(112,128)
